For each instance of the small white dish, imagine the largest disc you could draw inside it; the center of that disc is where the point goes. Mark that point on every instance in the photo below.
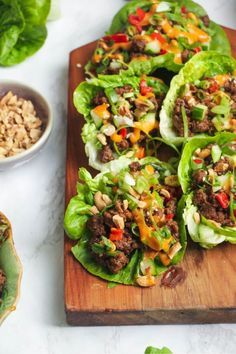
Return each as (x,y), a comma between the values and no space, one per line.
(43,111)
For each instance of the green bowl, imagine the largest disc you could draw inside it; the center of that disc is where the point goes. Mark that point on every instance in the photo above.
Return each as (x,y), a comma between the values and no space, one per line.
(11,265)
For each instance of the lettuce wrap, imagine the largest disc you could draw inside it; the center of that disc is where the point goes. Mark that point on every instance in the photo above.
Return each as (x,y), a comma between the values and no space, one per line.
(129,228)
(122,117)
(201,99)
(207,176)
(10,270)
(146,35)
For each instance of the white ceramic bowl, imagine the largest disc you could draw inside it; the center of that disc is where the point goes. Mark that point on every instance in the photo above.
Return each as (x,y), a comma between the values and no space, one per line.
(44,113)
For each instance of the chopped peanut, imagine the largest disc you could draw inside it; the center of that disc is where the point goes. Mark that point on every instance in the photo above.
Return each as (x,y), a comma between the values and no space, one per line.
(20,127)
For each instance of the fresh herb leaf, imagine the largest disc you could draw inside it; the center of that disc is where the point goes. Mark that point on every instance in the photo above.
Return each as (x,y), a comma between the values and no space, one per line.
(152,350)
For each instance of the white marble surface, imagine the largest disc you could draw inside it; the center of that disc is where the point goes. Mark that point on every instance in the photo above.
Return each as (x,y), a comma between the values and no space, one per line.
(32,196)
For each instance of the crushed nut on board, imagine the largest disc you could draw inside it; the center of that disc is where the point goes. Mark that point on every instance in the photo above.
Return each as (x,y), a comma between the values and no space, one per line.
(20,127)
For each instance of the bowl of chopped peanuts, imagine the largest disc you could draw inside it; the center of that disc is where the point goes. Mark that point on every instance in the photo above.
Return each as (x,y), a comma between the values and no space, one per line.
(25,123)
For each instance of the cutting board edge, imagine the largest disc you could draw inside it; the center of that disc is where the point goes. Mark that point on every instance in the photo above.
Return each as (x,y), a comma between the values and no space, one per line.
(152,317)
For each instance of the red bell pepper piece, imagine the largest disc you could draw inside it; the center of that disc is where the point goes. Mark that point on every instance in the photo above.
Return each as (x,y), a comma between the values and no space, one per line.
(158,36)
(136,19)
(235,212)
(184,10)
(116,234)
(140,14)
(117,38)
(197,161)
(214,87)
(223,200)
(197,49)
(144,88)
(169,216)
(123,132)
(163,51)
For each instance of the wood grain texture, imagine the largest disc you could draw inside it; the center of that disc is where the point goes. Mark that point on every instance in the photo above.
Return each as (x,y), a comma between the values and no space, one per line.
(208,295)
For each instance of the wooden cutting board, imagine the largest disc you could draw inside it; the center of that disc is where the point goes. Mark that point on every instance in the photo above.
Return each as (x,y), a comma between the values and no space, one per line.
(208,294)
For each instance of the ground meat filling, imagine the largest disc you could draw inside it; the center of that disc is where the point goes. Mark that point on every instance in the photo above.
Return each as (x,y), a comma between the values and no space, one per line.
(101,225)
(115,264)
(206,20)
(2,282)
(138,46)
(99,99)
(199,177)
(185,55)
(135,166)
(223,166)
(123,145)
(106,154)
(196,96)
(123,89)
(96,226)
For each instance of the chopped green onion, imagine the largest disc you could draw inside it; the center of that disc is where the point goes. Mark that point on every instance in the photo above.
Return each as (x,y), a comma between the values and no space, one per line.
(185,121)
(199,112)
(111,95)
(152,47)
(218,124)
(128,94)
(216,153)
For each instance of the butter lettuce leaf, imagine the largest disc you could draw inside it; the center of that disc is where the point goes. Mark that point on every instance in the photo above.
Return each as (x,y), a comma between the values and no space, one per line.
(12,268)
(152,350)
(82,98)
(140,67)
(29,42)
(76,216)
(82,253)
(11,23)
(203,64)
(23,30)
(35,11)
(106,81)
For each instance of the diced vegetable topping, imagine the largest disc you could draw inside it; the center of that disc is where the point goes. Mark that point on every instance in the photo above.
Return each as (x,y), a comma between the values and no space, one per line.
(223,200)
(199,112)
(116,234)
(117,38)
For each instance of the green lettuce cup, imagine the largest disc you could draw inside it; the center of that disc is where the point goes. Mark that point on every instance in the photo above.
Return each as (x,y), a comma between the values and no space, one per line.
(10,270)
(201,99)
(23,29)
(207,176)
(146,35)
(122,117)
(129,224)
